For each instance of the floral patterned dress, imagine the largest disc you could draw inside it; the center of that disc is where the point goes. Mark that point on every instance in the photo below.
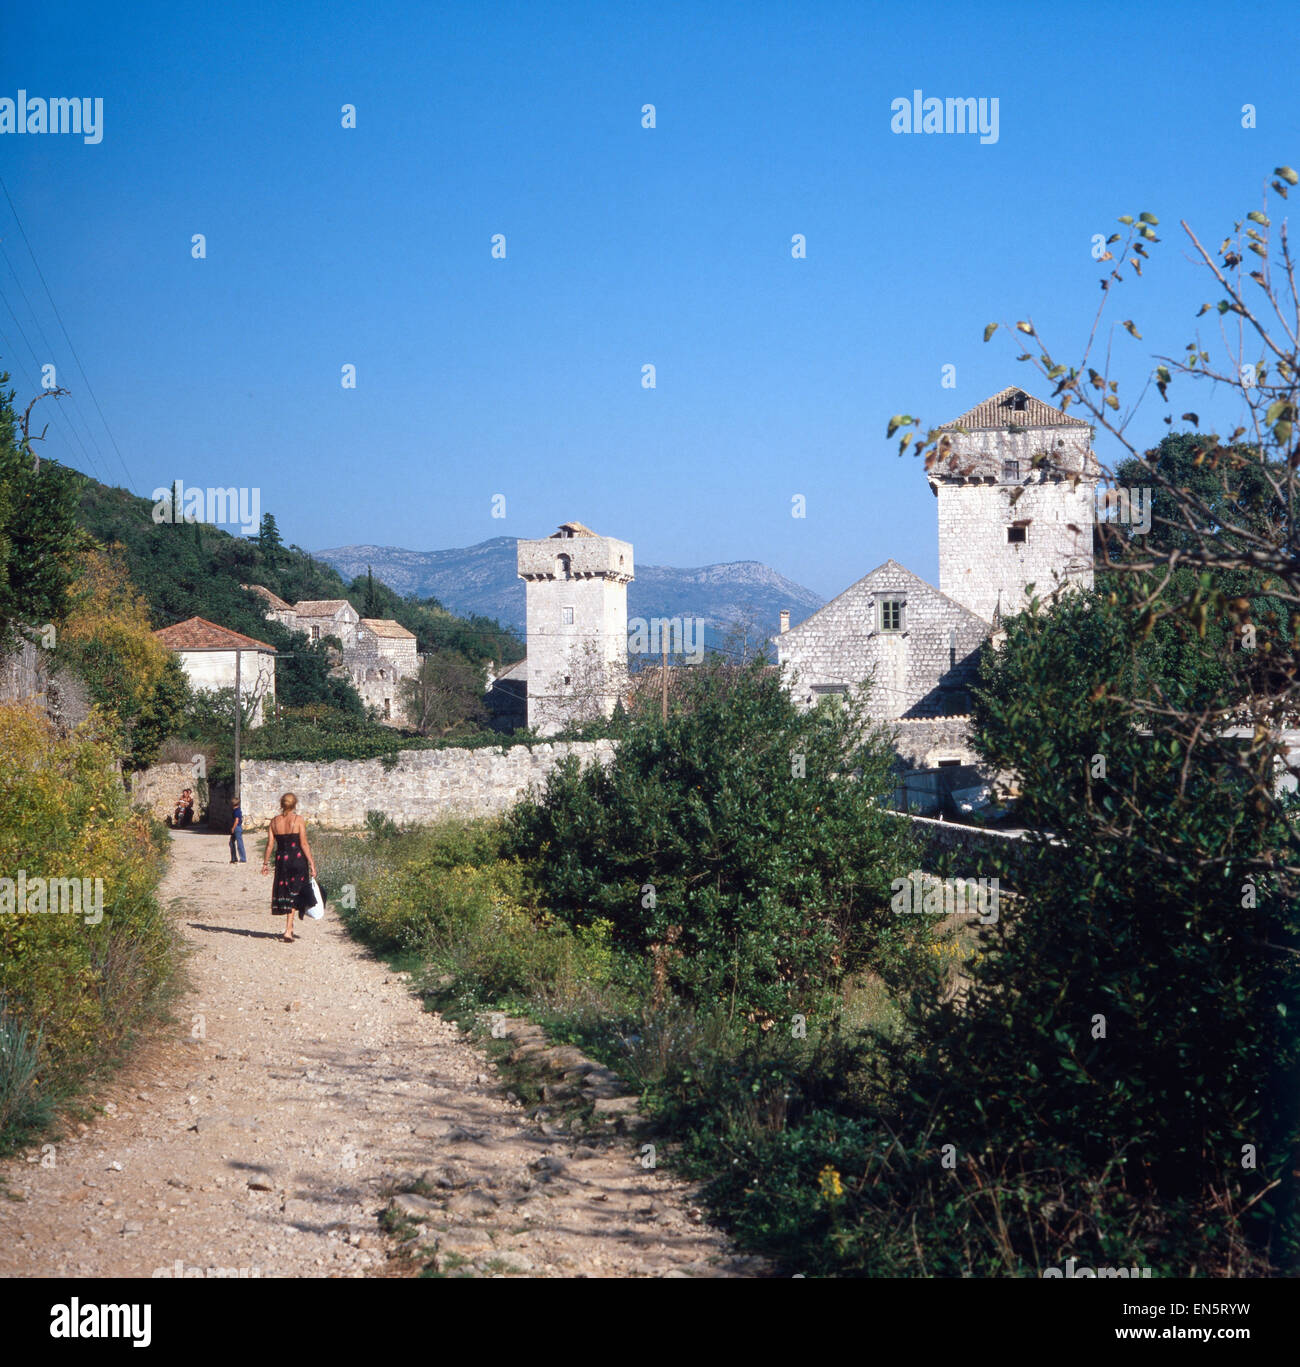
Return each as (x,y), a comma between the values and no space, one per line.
(291,890)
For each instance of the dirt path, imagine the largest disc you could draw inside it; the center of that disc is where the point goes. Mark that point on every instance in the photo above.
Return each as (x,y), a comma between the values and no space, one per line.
(268,1144)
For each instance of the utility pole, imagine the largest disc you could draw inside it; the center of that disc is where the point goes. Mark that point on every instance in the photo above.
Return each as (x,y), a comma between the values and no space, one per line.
(239,711)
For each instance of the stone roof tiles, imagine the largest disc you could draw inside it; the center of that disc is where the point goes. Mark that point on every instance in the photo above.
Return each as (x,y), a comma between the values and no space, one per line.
(321,607)
(273,599)
(385,626)
(1011,407)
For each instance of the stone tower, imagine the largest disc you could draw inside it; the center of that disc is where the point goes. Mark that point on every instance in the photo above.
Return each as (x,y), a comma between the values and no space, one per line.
(1016,482)
(577,625)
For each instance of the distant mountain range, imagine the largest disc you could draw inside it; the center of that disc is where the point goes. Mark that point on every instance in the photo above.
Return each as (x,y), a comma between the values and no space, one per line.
(481,579)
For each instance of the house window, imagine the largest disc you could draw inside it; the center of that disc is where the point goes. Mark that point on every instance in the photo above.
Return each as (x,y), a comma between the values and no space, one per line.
(566,680)
(563,567)
(315,633)
(1016,535)
(566,617)
(836,693)
(891,614)
(388,708)
(1010,471)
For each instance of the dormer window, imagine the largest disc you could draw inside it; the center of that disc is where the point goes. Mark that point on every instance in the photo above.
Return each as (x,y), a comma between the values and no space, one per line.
(891,614)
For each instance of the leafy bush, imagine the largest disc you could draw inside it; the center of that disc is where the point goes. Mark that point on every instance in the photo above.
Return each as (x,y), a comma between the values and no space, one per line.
(750,880)
(79,990)
(446,895)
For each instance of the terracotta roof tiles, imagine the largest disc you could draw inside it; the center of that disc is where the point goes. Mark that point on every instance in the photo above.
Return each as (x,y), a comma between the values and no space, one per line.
(197,633)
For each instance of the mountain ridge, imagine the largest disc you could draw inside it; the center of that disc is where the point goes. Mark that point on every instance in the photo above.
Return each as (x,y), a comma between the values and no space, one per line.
(481,579)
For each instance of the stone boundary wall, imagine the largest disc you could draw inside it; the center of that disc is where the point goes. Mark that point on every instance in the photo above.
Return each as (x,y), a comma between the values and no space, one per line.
(158,787)
(423,786)
(962,849)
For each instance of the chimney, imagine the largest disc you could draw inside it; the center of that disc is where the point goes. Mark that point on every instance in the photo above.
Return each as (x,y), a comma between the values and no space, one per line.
(785,620)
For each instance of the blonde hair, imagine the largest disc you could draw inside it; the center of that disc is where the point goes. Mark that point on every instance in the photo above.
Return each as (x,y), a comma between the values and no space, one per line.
(288,802)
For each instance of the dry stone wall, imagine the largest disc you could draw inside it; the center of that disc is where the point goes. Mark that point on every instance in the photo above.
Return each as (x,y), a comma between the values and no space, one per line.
(423,785)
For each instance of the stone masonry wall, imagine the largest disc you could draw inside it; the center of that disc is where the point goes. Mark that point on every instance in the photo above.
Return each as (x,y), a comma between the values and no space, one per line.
(423,786)
(981,569)
(158,787)
(923,670)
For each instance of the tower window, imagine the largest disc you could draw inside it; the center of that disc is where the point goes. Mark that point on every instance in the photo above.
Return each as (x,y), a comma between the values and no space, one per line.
(563,567)
(891,614)
(1010,471)
(1016,535)
(566,617)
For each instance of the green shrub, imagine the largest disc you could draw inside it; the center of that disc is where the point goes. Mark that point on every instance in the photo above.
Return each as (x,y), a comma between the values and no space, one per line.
(75,989)
(752,881)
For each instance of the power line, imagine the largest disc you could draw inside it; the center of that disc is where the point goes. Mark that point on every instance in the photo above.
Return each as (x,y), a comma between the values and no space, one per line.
(89,389)
(33,385)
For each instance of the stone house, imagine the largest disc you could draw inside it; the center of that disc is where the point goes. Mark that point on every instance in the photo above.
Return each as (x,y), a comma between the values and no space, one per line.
(274,608)
(384,654)
(319,618)
(377,653)
(208,655)
(1015,482)
(506,696)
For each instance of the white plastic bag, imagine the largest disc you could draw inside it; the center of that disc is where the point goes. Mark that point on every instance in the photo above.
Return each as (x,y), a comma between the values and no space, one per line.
(317,908)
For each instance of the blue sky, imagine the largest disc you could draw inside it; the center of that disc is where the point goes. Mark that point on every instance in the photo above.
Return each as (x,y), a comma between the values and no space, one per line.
(625,247)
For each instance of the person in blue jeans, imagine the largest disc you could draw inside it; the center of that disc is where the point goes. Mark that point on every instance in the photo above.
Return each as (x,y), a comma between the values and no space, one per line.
(237,836)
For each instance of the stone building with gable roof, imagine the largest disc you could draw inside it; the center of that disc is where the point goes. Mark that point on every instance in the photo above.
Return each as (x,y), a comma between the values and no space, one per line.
(1015,481)
(208,655)
(319,618)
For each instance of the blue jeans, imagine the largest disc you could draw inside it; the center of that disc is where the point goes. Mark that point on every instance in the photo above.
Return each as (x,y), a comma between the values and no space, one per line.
(237,838)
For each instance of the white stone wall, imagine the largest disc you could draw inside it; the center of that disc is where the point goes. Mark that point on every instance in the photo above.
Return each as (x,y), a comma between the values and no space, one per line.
(922,671)
(423,786)
(576,671)
(209,670)
(985,572)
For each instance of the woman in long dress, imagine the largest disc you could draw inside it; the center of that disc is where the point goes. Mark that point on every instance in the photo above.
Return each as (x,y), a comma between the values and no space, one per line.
(294,865)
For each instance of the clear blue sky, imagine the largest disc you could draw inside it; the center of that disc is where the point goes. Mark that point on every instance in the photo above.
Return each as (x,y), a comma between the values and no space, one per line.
(625,247)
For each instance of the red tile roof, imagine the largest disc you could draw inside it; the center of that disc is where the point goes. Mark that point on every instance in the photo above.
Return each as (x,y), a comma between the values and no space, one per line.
(199,634)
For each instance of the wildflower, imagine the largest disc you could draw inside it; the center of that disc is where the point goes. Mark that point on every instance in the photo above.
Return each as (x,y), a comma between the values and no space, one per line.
(828,1180)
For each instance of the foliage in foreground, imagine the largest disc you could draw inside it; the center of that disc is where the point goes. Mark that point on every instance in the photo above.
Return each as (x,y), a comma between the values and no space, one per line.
(72,994)
(741,845)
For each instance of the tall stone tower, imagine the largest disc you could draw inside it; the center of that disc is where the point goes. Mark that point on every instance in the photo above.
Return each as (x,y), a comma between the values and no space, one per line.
(577,625)
(1016,482)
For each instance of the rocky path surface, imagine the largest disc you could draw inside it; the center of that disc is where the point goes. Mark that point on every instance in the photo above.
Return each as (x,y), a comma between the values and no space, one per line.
(302,1088)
